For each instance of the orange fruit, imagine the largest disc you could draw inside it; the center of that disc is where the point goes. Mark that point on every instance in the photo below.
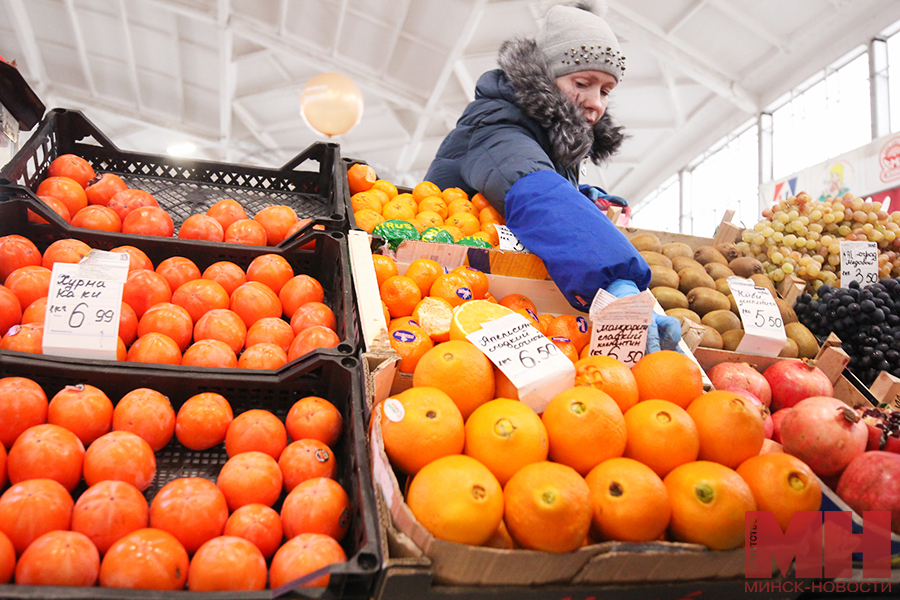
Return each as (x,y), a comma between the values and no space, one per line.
(366,201)
(256,430)
(147,558)
(361,177)
(668,375)
(478,281)
(429,218)
(434,204)
(434,315)
(367,219)
(566,347)
(452,193)
(418,426)
(385,268)
(401,294)
(782,484)
(424,189)
(458,499)
(460,370)
(227,563)
(259,524)
(226,212)
(302,555)
(505,435)
(454,231)
(316,418)
(452,287)
(466,222)
(532,319)
(708,504)
(385,186)
(398,209)
(661,435)
(479,201)
(461,205)
(730,427)
(574,328)
(424,271)
(517,301)
(503,387)
(629,501)
(585,427)
(59,558)
(411,343)
(548,507)
(608,375)
(471,316)
(192,509)
(250,478)
(401,323)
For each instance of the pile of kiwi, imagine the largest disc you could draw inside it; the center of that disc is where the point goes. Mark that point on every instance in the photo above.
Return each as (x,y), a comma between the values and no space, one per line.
(692,284)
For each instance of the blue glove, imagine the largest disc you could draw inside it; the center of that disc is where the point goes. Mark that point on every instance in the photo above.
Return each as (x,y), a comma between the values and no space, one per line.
(664,332)
(595,193)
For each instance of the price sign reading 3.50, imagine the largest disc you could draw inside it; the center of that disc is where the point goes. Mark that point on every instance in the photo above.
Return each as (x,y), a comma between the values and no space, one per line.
(83,306)
(859,262)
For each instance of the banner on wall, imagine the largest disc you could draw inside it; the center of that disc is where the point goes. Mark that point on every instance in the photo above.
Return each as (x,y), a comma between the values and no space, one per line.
(871,170)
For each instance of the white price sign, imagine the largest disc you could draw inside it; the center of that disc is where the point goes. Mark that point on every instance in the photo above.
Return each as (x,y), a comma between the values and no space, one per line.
(83,306)
(508,240)
(620,326)
(527,357)
(859,262)
(763,326)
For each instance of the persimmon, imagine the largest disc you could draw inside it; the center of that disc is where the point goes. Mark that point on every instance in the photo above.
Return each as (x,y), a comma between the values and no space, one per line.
(178,270)
(201,227)
(100,190)
(83,409)
(147,413)
(192,509)
(108,510)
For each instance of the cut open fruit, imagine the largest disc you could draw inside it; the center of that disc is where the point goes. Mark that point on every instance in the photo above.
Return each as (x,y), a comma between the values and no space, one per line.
(470,316)
(434,315)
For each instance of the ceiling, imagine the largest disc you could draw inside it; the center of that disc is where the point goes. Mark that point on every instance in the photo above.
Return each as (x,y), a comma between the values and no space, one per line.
(227,75)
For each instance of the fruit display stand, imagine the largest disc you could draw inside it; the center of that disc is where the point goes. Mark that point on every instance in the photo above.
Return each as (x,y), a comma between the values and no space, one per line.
(324,258)
(310,183)
(337,379)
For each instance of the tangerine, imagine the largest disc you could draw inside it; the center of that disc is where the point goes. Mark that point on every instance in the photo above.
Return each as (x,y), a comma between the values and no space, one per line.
(361,177)
(661,435)
(668,375)
(459,369)
(505,435)
(629,501)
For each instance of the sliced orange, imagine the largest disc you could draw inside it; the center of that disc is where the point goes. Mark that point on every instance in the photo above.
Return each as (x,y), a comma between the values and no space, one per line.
(470,317)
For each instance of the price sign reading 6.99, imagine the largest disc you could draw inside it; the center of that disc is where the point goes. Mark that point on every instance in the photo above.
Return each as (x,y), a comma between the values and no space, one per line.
(83,306)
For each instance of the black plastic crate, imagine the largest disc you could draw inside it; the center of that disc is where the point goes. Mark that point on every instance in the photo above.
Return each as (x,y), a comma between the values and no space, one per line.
(328,260)
(339,380)
(181,186)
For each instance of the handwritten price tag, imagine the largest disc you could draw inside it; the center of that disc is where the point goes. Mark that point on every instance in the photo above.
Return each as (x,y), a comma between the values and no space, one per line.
(859,262)
(83,306)
(508,240)
(620,325)
(527,357)
(763,326)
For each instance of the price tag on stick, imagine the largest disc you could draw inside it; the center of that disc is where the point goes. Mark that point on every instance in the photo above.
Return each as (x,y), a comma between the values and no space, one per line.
(527,357)
(763,326)
(859,262)
(620,326)
(83,306)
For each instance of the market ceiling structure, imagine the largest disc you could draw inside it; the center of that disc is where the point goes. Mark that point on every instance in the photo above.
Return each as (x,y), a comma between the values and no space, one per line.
(227,74)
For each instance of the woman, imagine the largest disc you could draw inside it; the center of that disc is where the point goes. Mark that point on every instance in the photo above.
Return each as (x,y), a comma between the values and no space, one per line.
(521,142)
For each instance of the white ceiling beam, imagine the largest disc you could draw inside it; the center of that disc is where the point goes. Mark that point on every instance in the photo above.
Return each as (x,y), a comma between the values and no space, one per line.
(177,71)
(638,28)
(129,57)
(244,116)
(227,77)
(33,61)
(339,27)
(394,37)
(750,23)
(686,16)
(80,47)
(411,150)
(672,91)
(466,81)
(183,10)
(282,17)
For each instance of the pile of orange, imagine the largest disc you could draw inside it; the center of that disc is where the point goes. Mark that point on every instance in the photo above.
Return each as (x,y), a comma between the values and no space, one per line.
(106,203)
(375,200)
(632,454)
(260,317)
(73,512)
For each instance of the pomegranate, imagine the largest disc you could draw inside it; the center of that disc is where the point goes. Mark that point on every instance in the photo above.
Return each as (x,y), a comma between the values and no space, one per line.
(793,380)
(763,409)
(771,446)
(740,376)
(824,433)
(884,428)
(872,482)
(777,417)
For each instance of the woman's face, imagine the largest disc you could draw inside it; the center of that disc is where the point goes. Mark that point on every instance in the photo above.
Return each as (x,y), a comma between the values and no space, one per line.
(589,90)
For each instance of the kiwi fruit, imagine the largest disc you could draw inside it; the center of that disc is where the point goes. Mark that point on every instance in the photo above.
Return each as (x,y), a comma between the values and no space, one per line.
(669,297)
(787,312)
(691,277)
(683,262)
(646,242)
(722,320)
(745,266)
(711,338)
(729,250)
(655,258)
(718,270)
(807,346)
(673,249)
(790,349)
(722,286)
(708,254)
(703,300)
(761,280)
(732,303)
(683,313)
(663,276)
(731,339)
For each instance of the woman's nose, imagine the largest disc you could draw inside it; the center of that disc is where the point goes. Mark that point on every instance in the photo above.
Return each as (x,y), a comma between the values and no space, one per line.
(594,106)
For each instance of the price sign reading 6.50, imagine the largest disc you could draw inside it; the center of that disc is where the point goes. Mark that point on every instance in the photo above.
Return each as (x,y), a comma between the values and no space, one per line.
(83,306)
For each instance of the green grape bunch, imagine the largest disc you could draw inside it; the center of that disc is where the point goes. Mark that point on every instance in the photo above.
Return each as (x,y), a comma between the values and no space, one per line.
(801,236)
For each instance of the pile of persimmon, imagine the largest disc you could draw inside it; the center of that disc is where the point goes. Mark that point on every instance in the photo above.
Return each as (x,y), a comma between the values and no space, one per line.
(104,202)
(630,454)
(172,313)
(75,509)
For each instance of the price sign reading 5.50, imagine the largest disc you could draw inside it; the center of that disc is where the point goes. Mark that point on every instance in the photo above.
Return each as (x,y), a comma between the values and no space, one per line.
(763,326)
(83,306)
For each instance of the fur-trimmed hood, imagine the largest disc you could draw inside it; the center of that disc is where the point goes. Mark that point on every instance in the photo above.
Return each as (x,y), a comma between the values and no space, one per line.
(571,137)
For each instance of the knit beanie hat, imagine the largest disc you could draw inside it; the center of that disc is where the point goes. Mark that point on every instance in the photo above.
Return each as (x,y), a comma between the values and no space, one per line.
(575,39)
